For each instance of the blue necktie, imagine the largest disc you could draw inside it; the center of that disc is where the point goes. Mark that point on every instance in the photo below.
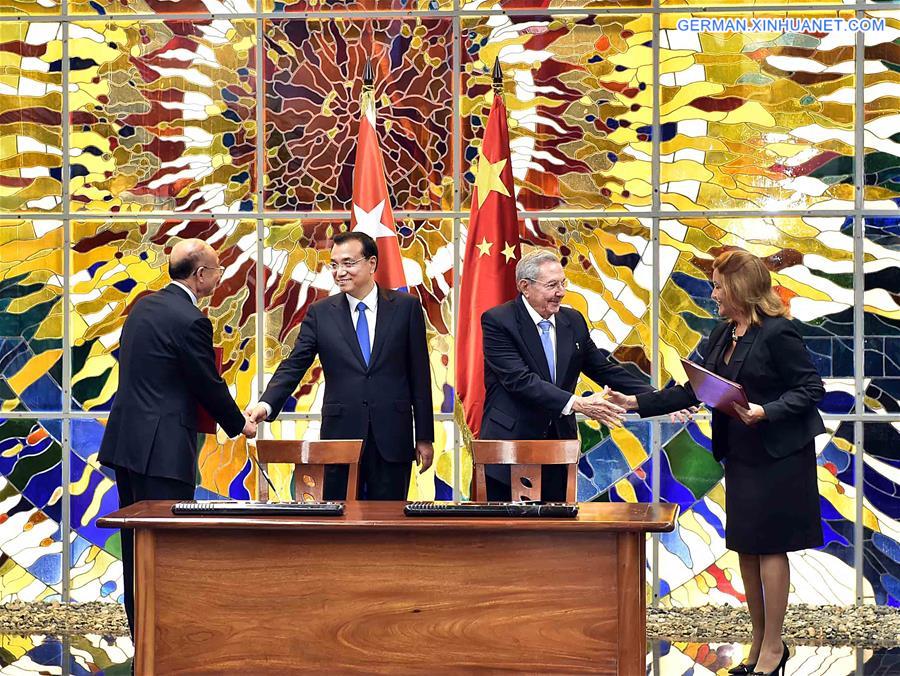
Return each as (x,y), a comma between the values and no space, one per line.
(548,348)
(362,332)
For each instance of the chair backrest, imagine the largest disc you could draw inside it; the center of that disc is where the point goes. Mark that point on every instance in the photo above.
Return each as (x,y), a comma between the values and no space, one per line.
(525,458)
(309,459)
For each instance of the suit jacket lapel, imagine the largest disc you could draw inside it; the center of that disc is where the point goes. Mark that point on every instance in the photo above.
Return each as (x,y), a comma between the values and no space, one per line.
(341,309)
(742,350)
(529,333)
(564,345)
(384,315)
(717,344)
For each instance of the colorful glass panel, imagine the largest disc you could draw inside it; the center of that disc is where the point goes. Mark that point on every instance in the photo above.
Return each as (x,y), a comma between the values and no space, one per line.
(579,94)
(313,82)
(163,116)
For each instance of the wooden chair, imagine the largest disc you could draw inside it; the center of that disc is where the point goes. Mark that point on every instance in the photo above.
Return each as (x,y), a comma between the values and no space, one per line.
(525,458)
(309,459)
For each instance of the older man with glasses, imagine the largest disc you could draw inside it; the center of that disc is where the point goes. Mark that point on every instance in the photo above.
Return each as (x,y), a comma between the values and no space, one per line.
(534,351)
(167,366)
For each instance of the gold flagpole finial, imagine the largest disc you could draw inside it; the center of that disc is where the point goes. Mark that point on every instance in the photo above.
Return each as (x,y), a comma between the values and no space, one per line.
(497,78)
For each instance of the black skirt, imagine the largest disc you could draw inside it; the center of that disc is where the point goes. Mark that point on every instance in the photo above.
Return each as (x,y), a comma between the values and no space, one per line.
(771,504)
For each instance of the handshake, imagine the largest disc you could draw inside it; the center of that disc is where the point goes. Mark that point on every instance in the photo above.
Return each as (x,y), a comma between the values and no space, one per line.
(609,407)
(249,430)
(253,415)
(606,407)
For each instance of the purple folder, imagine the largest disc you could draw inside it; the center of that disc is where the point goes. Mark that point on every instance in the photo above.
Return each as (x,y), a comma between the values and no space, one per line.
(714,390)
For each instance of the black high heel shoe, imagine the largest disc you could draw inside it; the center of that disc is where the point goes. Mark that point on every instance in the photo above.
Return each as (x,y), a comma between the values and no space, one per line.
(742,669)
(781,665)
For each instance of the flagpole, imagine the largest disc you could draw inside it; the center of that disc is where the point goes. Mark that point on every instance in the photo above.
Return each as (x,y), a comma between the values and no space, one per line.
(497,78)
(368,77)
(367,98)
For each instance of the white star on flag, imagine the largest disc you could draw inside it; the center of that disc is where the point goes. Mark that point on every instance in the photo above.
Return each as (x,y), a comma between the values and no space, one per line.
(370,223)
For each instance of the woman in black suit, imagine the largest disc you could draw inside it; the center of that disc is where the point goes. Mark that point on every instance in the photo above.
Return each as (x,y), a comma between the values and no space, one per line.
(771,497)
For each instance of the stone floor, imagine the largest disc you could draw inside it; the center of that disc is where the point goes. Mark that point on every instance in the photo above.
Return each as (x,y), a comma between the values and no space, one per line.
(863,627)
(107,619)
(48,638)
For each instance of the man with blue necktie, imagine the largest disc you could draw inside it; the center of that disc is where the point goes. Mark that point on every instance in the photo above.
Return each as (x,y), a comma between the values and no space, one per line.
(534,352)
(371,344)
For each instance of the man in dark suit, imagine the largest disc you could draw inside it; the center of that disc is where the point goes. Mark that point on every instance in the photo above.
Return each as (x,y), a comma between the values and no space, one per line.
(534,351)
(371,344)
(166,368)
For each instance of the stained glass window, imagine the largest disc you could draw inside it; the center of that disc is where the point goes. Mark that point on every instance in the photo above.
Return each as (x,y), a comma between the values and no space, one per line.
(174,124)
(313,81)
(109,7)
(31,121)
(615,465)
(29,7)
(163,118)
(755,120)
(116,262)
(578,90)
(554,4)
(31,315)
(32,499)
(354,5)
(33,654)
(881,268)
(881,516)
(882,78)
(95,572)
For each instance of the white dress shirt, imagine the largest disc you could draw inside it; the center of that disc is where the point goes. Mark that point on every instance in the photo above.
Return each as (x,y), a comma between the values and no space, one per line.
(537,319)
(371,301)
(187,291)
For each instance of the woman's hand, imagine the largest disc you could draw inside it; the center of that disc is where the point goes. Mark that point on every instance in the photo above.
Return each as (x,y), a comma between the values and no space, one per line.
(684,415)
(626,401)
(750,416)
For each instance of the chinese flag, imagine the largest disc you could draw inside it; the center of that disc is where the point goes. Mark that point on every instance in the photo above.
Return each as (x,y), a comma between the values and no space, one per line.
(371,203)
(489,266)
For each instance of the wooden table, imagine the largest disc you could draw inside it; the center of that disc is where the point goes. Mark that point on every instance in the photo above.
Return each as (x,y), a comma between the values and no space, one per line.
(375,591)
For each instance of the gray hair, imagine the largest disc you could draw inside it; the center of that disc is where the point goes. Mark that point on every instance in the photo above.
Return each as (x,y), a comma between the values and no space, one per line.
(529,266)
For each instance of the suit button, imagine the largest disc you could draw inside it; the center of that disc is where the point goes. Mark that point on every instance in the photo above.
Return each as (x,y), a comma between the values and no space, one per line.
(365,403)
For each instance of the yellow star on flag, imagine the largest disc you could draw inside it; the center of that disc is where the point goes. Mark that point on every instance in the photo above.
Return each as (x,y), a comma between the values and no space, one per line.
(509,252)
(487,178)
(484,247)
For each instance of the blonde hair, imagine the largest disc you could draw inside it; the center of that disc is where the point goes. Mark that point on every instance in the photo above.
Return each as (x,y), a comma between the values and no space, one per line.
(748,285)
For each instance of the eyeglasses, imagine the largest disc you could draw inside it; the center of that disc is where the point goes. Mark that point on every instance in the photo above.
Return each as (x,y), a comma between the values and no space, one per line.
(346,265)
(551,286)
(218,268)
